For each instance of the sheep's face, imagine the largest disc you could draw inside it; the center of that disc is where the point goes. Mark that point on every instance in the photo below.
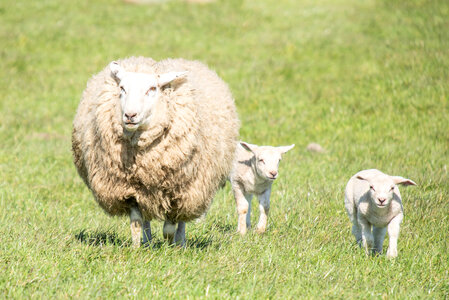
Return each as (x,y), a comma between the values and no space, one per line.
(383,187)
(266,159)
(139,92)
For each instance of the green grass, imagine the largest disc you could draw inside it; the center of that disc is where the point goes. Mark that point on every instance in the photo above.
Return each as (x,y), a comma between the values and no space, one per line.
(368,80)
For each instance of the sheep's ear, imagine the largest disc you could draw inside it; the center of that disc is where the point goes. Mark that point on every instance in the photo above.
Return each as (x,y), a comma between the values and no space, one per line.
(117,71)
(284,149)
(249,147)
(402,181)
(166,78)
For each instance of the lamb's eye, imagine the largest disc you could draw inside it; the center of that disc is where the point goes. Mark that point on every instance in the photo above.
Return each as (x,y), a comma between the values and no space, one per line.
(392,188)
(151,89)
(372,187)
(122,89)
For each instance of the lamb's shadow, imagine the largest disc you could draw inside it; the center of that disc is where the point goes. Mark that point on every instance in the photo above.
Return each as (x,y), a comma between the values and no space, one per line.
(101,238)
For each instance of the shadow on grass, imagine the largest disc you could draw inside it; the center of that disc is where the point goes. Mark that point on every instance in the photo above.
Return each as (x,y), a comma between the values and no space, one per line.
(101,238)
(199,243)
(111,238)
(223,228)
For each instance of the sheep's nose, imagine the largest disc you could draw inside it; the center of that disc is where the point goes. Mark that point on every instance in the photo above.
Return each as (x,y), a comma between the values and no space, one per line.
(130,115)
(273,173)
(382,200)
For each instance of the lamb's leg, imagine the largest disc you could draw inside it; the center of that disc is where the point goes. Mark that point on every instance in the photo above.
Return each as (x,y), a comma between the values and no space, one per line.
(146,232)
(180,236)
(357,232)
(393,233)
(367,236)
(168,231)
(248,198)
(243,203)
(264,207)
(352,214)
(136,226)
(379,236)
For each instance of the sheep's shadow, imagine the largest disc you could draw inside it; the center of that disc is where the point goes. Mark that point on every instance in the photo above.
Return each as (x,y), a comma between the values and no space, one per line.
(101,238)
(111,238)
(199,243)
(223,228)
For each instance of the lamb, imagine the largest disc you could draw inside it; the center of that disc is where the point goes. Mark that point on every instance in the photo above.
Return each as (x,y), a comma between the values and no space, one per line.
(374,206)
(155,140)
(255,168)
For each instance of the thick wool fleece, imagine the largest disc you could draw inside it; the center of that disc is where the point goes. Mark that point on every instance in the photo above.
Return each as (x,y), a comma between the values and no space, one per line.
(171,170)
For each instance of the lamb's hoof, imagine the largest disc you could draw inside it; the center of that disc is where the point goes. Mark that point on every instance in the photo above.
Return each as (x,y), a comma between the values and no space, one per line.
(260,230)
(392,254)
(242,232)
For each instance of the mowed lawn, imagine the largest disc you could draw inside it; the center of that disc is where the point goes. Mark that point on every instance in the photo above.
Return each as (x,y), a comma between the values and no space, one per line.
(367,80)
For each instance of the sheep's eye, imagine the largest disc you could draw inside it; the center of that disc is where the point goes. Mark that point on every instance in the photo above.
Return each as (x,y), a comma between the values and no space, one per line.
(151,89)
(261,160)
(122,89)
(371,187)
(392,188)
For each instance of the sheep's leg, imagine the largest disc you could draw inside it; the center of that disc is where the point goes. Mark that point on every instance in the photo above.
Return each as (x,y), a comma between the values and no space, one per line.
(180,235)
(169,231)
(136,226)
(367,236)
(393,233)
(146,232)
(379,236)
(264,207)
(243,203)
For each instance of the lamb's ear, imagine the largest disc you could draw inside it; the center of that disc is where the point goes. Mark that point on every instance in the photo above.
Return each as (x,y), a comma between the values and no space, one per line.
(402,181)
(284,149)
(360,177)
(117,71)
(249,147)
(166,78)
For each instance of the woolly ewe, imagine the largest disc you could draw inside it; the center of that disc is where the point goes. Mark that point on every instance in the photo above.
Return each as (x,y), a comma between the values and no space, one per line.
(255,169)
(374,206)
(155,140)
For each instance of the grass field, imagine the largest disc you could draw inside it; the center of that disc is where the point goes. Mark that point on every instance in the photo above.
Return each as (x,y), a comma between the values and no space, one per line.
(368,80)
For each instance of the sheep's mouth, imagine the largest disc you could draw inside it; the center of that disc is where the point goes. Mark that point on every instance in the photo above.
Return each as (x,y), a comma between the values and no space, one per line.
(271,177)
(131,125)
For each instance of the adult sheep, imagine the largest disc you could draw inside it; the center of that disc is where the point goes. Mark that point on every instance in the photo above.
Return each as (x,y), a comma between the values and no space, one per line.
(155,140)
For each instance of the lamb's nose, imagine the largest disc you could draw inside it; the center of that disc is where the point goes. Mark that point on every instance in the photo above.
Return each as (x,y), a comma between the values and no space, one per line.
(382,200)
(273,173)
(130,115)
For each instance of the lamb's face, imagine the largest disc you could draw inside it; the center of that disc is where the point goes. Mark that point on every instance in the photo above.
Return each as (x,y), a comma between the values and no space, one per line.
(381,191)
(266,159)
(139,92)
(267,162)
(382,187)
